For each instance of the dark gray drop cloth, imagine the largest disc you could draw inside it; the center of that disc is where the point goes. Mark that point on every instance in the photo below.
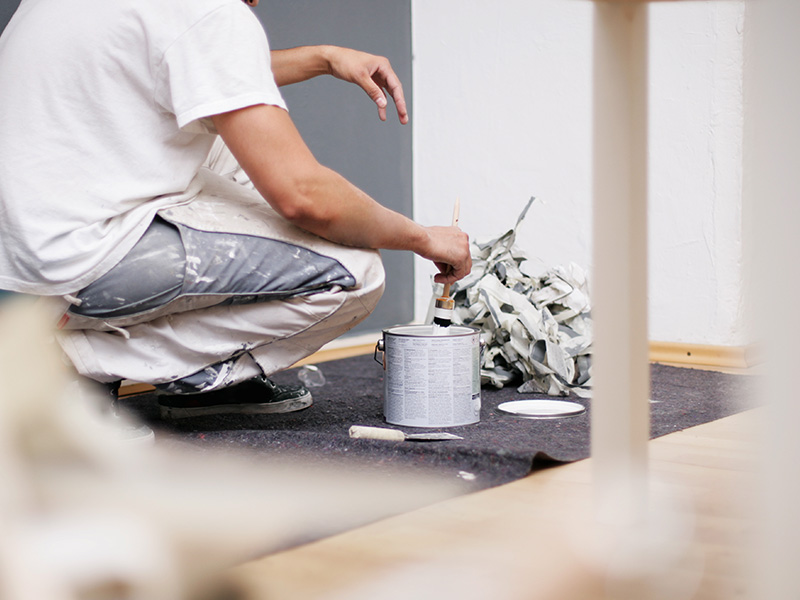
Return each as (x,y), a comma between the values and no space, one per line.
(498,449)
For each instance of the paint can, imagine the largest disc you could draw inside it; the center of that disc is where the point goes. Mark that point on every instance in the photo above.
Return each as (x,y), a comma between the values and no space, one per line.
(432,375)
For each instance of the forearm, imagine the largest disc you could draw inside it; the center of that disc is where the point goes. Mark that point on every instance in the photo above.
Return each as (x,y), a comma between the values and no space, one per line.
(328,205)
(299,64)
(317,199)
(306,193)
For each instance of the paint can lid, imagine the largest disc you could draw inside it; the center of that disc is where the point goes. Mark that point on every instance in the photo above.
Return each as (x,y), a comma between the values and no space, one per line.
(429,331)
(542,409)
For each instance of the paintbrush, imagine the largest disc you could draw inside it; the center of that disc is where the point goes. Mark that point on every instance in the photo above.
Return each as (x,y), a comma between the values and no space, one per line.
(443,307)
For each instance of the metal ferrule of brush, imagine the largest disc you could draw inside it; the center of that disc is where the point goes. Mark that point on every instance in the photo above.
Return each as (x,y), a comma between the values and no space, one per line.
(443,311)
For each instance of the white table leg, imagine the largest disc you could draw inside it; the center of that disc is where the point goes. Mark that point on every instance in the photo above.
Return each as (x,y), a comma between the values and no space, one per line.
(772,201)
(620,405)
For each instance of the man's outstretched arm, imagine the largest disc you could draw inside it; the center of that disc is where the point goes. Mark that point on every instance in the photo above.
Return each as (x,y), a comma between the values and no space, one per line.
(269,148)
(372,73)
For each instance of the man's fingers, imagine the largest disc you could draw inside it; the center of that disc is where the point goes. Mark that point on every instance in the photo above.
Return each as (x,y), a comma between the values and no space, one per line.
(373,91)
(376,93)
(384,78)
(450,274)
(374,74)
(402,112)
(448,277)
(382,103)
(395,89)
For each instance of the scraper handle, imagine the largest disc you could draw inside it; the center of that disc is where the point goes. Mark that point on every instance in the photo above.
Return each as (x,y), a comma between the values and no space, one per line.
(376,433)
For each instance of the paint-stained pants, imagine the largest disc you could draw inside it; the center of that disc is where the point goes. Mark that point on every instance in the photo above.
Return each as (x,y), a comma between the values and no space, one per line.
(220,289)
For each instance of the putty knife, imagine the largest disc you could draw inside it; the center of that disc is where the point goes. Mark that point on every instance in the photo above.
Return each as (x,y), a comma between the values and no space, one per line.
(395,435)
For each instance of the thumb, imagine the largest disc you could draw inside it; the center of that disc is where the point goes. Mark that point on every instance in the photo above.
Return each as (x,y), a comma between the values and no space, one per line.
(376,93)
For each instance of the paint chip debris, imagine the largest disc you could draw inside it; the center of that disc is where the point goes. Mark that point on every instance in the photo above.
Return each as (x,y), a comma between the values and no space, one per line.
(535,327)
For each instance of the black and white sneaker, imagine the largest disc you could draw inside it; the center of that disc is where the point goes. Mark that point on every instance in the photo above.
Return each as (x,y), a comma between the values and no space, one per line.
(254,396)
(103,399)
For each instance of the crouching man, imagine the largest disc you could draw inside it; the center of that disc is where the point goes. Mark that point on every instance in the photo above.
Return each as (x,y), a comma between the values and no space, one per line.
(152,178)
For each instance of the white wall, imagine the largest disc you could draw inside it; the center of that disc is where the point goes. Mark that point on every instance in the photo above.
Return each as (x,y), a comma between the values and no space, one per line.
(502,111)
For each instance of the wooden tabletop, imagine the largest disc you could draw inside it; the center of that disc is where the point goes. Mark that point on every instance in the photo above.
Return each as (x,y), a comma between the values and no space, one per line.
(535,538)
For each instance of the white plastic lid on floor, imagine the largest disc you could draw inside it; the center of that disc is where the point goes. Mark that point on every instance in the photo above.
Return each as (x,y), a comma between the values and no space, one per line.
(541,409)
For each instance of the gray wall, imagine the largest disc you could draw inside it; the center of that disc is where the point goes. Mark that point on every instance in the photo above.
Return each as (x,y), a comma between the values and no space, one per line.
(7,8)
(339,122)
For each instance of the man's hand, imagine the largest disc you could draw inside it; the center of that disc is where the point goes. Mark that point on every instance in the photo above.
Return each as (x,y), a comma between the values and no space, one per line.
(372,73)
(449,251)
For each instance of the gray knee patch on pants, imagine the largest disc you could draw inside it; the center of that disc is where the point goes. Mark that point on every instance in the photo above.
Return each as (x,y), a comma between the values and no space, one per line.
(251,268)
(171,261)
(150,275)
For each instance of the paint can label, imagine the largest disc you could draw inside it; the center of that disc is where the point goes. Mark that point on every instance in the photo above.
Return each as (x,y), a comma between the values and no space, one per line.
(433,380)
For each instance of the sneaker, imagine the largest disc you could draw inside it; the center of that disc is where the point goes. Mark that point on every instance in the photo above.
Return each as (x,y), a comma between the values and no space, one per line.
(254,396)
(131,432)
(102,401)
(127,429)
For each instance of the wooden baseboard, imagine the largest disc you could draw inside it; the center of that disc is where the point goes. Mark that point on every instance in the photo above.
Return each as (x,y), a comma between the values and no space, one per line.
(732,357)
(131,388)
(346,348)
(701,355)
(673,353)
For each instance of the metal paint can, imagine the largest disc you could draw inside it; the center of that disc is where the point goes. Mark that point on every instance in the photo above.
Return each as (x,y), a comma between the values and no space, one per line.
(432,375)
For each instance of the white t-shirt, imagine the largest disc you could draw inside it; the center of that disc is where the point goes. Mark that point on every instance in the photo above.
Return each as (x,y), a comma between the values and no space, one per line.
(104,108)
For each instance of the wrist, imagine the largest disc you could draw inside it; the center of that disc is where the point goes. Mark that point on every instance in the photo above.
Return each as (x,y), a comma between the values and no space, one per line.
(326,54)
(421,240)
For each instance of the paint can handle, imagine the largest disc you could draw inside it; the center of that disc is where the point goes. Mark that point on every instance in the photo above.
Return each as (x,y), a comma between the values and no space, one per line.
(379,347)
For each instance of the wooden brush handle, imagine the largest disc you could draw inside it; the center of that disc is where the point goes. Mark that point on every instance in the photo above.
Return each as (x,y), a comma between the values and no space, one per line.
(456,211)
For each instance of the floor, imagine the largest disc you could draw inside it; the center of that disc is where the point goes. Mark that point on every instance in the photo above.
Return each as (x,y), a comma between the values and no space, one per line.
(536,537)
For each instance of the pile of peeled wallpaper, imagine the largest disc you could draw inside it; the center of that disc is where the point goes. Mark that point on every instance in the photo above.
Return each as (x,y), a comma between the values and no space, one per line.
(537,328)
